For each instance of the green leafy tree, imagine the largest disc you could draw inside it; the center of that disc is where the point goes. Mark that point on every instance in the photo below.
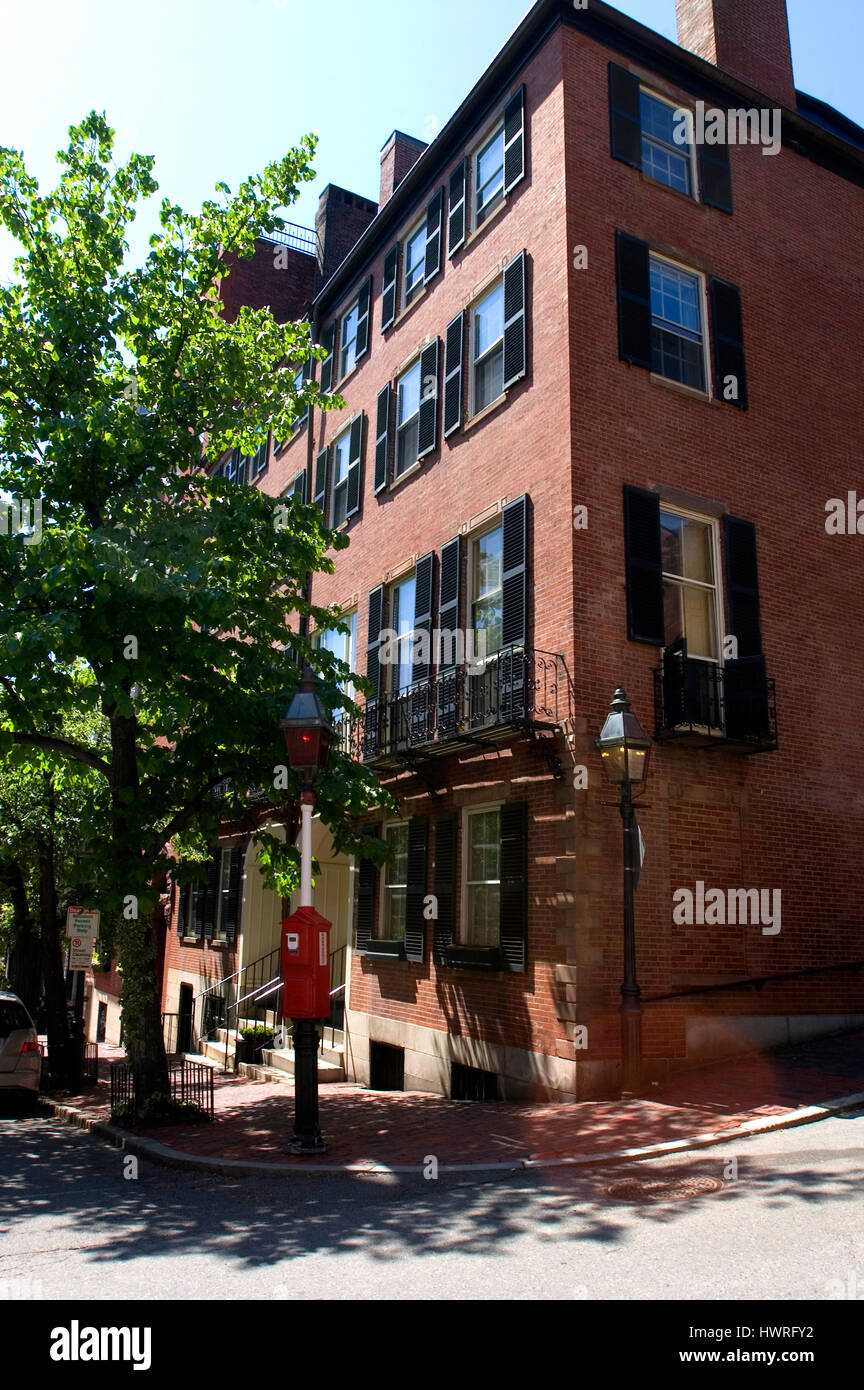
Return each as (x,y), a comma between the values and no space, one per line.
(171,590)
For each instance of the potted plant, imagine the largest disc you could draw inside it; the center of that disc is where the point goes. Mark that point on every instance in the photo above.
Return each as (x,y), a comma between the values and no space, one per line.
(253,1041)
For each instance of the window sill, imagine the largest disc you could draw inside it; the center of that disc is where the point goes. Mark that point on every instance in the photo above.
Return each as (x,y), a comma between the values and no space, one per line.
(408,310)
(487,222)
(485,412)
(692,391)
(690,198)
(337,385)
(487,959)
(385,950)
(403,477)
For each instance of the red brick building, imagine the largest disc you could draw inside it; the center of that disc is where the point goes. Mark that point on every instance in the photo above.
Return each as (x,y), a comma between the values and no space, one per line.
(600,386)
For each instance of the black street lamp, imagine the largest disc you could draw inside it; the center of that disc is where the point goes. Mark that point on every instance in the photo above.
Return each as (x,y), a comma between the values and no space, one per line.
(625,749)
(307,730)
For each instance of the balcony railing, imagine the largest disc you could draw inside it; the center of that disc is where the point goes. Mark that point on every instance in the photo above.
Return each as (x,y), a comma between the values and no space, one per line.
(515,689)
(295,237)
(712,706)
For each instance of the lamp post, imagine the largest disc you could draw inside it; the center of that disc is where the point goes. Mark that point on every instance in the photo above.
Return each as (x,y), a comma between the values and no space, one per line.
(307,730)
(625,749)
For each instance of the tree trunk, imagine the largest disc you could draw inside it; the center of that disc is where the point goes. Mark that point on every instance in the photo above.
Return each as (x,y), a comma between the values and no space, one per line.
(64,1063)
(25,973)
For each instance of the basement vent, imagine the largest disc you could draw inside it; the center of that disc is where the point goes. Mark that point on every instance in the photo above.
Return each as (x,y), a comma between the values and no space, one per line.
(386,1067)
(469,1083)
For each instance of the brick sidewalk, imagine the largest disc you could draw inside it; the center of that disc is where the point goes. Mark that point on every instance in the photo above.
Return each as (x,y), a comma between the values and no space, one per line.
(254,1118)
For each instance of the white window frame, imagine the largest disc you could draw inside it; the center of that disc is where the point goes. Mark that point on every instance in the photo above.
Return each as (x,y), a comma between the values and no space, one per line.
(718,623)
(350,641)
(337,486)
(397,471)
(466,882)
(393,691)
(384,920)
(687,153)
(473,408)
(342,344)
(471,597)
(219,933)
(416,231)
(493,131)
(704,323)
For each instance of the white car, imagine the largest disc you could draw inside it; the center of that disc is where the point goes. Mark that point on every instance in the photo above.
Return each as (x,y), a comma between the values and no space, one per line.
(20,1059)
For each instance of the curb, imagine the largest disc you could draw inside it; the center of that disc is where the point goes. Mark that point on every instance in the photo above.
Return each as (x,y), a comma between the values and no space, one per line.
(237,1167)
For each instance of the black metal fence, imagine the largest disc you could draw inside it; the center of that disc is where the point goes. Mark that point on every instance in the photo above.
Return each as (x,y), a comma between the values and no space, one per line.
(190,1082)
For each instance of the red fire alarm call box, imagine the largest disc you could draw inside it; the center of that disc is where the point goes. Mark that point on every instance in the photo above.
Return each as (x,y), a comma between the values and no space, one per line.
(306,964)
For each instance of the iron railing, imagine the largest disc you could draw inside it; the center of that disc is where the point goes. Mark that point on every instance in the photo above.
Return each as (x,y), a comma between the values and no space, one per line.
(517,688)
(298,238)
(712,706)
(191,1082)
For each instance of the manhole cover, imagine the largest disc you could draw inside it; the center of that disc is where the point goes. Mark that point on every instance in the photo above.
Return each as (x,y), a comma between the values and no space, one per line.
(662,1189)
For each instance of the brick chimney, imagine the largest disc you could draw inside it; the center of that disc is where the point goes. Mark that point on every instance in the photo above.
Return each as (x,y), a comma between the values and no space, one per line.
(398,157)
(340,221)
(748,39)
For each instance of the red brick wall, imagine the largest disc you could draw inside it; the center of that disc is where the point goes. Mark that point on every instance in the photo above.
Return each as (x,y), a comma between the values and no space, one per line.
(276,276)
(747,38)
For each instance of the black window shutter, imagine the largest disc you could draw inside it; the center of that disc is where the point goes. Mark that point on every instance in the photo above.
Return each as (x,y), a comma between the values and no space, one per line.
(382,439)
(355,466)
(415,922)
(231,896)
(423,586)
(624,118)
(747,707)
(644,567)
(633,262)
(321,479)
(444,881)
(299,489)
(373,641)
(514,867)
(367,883)
(742,585)
(456,208)
(514,585)
(434,219)
(364,302)
(241,470)
(427,429)
(211,895)
(328,342)
(308,366)
(449,621)
(514,141)
(388,298)
(453,371)
(182,910)
(715,176)
(199,904)
(728,341)
(515,359)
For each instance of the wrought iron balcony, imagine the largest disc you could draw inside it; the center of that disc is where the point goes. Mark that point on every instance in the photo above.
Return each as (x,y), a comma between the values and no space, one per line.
(710,706)
(517,689)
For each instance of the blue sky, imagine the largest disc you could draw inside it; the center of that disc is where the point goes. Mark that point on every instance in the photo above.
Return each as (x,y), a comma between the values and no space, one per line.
(215,88)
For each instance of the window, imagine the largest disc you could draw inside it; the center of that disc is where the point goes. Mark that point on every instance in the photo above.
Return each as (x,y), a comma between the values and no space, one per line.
(489,176)
(348,340)
(341,464)
(415,262)
(663,158)
(690,605)
(404,597)
(677,338)
(481,917)
(219,931)
(487,336)
(408,418)
(395,896)
(487,592)
(342,645)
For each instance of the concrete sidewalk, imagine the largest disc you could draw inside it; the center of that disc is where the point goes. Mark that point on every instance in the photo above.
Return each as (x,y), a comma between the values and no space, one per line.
(371,1131)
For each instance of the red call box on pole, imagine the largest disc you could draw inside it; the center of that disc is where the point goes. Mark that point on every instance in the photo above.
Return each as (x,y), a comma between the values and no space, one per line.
(306,964)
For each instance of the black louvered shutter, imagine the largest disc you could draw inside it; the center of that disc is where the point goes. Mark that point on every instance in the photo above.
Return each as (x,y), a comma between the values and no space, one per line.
(355,466)
(515,358)
(388,298)
(454,354)
(444,881)
(182,910)
(321,464)
(415,923)
(728,341)
(449,622)
(199,904)
(456,208)
(211,895)
(423,594)
(367,883)
(514,867)
(328,342)
(644,567)
(364,303)
(514,141)
(299,488)
(633,263)
(308,367)
(624,116)
(241,470)
(742,585)
(715,176)
(434,219)
(232,894)
(427,428)
(514,577)
(382,439)
(373,641)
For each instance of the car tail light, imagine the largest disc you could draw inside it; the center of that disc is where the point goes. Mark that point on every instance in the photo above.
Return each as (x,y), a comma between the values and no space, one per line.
(31,1045)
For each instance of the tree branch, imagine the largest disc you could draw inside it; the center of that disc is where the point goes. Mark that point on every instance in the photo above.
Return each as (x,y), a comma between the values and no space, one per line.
(68,749)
